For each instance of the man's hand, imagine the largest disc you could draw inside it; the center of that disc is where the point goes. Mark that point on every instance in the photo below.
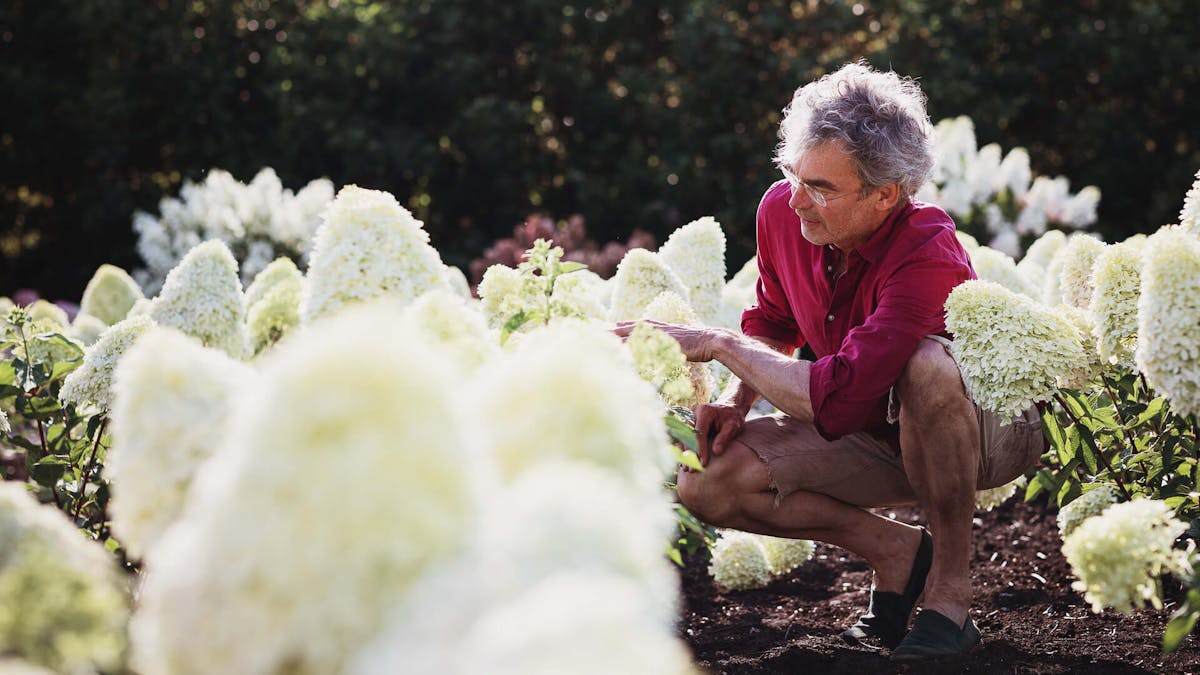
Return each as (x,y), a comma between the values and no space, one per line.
(698,343)
(717,424)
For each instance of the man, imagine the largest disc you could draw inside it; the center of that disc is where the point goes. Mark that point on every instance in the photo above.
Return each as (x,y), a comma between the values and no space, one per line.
(852,266)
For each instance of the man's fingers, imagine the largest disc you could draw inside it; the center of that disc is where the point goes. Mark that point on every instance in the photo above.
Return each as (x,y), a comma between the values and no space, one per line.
(703,427)
(724,437)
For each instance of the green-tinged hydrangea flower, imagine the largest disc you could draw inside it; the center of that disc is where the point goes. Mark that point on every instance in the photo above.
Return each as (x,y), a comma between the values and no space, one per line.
(65,604)
(87,329)
(506,292)
(784,554)
(968,242)
(454,279)
(1074,263)
(1086,505)
(46,311)
(696,254)
(369,247)
(670,308)
(566,516)
(573,621)
(202,297)
(110,294)
(279,271)
(273,305)
(578,295)
(172,398)
(739,561)
(47,342)
(447,319)
(328,452)
(1114,308)
(992,265)
(569,391)
(1043,250)
(90,383)
(1189,216)
(641,276)
(1120,554)
(1010,348)
(660,362)
(989,498)
(1168,343)
(1085,328)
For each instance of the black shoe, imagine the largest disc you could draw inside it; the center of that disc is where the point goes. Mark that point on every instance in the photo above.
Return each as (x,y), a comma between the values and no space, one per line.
(934,638)
(887,615)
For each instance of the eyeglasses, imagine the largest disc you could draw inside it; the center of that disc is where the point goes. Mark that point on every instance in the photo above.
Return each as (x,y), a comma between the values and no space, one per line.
(819,198)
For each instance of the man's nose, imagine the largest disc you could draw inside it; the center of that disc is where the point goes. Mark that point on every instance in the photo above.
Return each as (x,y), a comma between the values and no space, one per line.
(800,199)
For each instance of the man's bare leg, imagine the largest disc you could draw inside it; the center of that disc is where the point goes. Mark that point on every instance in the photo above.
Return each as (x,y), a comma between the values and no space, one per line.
(734,491)
(939,440)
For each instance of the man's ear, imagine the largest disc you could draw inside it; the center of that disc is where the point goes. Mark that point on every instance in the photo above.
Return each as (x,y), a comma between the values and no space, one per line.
(888,196)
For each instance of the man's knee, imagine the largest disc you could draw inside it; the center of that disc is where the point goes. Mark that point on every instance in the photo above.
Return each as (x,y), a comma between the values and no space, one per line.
(713,495)
(931,380)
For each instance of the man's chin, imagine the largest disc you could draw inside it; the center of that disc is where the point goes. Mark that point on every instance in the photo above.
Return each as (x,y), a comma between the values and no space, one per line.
(815,235)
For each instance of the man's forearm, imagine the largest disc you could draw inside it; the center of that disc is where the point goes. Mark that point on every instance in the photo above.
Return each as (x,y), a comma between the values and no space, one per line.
(764,367)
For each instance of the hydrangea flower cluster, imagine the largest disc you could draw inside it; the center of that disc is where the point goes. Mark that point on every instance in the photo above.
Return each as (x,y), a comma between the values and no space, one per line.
(259,222)
(446,319)
(696,254)
(660,362)
(539,290)
(1010,348)
(738,294)
(784,554)
(65,603)
(273,304)
(739,561)
(989,498)
(91,382)
(1114,308)
(203,297)
(641,277)
(1168,345)
(291,470)
(109,295)
(86,329)
(1189,215)
(1075,262)
(670,308)
(1120,554)
(369,246)
(172,398)
(1086,505)
(993,265)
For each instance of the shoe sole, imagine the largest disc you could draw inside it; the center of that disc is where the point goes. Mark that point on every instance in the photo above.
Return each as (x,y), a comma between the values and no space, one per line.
(935,659)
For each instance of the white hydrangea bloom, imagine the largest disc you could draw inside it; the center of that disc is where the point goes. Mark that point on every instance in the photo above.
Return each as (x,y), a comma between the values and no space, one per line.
(91,382)
(1189,215)
(928,193)
(784,554)
(981,173)
(369,247)
(445,318)
(1079,211)
(1086,505)
(989,498)
(954,148)
(202,297)
(569,391)
(696,254)
(1075,281)
(226,590)
(738,294)
(1006,240)
(1085,328)
(172,398)
(955,197)
(1168,343)
(1118,276)
(1042,203)
(578,295)
(1044,249)
(641,276)
(1120,554)
(659,361)
(1010,348)
(739,561)
(110,294)
(273,304)
(670,308)
(454,279)
(505,292)
(577,622)
(87,329)
(1014,173)
(65,603)
(992,265)
(564,516)
(46,311)
(967,241)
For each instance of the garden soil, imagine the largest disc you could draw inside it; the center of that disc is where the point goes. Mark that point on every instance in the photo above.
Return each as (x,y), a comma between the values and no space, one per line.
(1032,621)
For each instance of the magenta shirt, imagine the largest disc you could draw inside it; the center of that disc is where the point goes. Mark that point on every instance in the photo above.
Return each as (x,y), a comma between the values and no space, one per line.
(866,326)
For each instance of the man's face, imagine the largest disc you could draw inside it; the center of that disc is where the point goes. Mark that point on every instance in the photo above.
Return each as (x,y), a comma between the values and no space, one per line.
(848,219)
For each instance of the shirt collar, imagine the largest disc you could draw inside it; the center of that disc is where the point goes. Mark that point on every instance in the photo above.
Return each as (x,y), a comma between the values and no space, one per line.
(877,245)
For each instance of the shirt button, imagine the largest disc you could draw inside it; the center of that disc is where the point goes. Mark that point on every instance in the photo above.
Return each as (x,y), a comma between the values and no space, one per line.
(829,318)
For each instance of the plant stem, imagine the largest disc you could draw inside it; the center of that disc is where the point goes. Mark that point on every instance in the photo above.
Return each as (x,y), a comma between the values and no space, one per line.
(83,478)
(1103,459)
(1120,418)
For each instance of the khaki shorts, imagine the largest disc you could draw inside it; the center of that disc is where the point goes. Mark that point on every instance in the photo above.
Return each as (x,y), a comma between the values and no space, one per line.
(864,470)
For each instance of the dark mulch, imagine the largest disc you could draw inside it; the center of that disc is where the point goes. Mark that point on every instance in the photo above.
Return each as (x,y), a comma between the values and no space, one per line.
(1031,619)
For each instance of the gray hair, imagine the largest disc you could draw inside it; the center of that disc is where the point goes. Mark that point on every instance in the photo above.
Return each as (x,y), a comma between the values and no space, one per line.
(880,117)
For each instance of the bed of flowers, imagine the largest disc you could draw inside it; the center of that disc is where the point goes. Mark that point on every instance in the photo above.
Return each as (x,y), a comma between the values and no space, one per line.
(344,461)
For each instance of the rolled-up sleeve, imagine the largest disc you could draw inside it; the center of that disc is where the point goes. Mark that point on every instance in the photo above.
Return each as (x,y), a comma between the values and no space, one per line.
(847,387)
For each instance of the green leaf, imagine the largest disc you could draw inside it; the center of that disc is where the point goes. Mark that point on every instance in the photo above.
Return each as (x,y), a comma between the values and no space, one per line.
(1182,622)
(675,556)
(680,432)
(93,423)
(42,406)
(1152,410)
(687,458)
(514,322)
(568,267)
(1034,488)
(48,470)
(8,376)
(1052,429)
(1088,449)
